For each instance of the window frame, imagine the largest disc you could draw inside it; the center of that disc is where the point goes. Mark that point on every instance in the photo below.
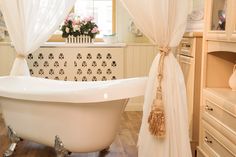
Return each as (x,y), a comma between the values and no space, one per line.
(56,37)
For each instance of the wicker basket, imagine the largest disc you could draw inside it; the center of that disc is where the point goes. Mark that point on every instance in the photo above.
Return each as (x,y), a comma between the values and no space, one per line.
(82,39)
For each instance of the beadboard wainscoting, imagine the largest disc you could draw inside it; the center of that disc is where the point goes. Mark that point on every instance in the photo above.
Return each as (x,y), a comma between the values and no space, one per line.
(138,60)
(96,62)
(7,56)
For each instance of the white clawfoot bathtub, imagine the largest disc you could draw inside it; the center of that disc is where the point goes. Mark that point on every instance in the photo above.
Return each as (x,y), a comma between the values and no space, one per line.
(85,115)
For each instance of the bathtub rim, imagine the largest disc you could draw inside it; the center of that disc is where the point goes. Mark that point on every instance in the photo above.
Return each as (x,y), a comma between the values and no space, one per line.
(103,91)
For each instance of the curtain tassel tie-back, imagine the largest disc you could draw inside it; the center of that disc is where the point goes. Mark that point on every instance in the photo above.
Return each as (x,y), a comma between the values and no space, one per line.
(156,119)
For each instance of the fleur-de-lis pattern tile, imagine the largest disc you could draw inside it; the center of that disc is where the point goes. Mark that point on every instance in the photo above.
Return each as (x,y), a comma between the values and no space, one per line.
(56,78)
(79,72)
(84,64)
(94,78)
(109,56)
(30,57)
(50,56)
(35,64)
(61,72)
(46,64)
(61,56)
(56,64)
(77,64)
(99,56)
(31,71)
(89,56)
(99,71)
(94,64)
(41,72)
(40,56)
(79,56)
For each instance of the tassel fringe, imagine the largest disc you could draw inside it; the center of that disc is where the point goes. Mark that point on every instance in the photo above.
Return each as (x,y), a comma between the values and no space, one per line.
(156,119)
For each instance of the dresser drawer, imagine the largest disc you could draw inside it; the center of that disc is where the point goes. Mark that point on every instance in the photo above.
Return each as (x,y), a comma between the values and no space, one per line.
(223,116)
(201,153)
(215,144)
(186,47)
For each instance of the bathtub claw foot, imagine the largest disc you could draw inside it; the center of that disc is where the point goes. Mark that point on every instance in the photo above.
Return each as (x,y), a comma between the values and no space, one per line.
(14,140)
(10,150)
(59,148)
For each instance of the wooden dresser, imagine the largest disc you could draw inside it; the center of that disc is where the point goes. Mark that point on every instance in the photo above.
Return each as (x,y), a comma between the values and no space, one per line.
(218,123)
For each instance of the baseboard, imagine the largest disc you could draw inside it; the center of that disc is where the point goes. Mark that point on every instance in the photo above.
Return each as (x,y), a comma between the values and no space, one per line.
(194,145)
(134,107)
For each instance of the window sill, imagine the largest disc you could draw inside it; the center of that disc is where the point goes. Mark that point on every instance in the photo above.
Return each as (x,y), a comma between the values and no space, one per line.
(65,45)
(93,45)
(58,38)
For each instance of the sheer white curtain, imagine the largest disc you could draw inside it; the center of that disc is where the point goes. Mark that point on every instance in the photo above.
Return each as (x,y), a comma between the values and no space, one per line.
(30,23)
(164,22)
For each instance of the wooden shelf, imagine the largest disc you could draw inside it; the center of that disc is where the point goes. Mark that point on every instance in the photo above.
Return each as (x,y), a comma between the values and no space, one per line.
(219,67)
(226,95)
(213,46)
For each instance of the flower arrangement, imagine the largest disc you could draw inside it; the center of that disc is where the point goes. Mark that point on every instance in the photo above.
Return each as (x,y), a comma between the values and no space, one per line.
(74,26)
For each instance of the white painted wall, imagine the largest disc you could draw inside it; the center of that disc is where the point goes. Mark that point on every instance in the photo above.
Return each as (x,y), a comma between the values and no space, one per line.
(122,26)
(123,20)
(198,4)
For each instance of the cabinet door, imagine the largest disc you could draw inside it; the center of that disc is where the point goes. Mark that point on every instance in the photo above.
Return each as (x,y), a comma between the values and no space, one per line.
(217,18)
(188,66)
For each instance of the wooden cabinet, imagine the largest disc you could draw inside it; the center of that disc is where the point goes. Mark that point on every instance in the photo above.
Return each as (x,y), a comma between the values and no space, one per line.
(216,18)
(218,102)
(220,20)
(189,58)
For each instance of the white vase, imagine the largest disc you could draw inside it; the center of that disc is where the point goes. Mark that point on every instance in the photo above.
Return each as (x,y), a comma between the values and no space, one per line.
(232,80)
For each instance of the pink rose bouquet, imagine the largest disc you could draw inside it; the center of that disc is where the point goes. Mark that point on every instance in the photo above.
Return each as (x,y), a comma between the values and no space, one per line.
(75,26)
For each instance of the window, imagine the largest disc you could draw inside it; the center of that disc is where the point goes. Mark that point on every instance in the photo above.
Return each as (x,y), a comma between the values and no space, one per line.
(101,10)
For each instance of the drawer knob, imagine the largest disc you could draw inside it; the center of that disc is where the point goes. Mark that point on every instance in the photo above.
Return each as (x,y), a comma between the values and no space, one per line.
(208,108)
(207,140)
